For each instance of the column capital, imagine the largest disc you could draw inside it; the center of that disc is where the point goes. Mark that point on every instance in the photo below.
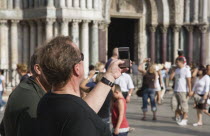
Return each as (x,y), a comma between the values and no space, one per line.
(65,20)
(203,28)
(189,28)
(86,21)
(103,25)
(50,20)
(95,22)
(15,21)
(152,28)
(176,28)
(2,21)
(164,28)
(31,22)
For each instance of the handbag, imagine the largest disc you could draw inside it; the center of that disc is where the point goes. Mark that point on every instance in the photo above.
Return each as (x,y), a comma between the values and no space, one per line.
(140,91)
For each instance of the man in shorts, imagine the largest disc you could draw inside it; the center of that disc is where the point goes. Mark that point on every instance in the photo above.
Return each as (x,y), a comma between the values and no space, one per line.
(182,90)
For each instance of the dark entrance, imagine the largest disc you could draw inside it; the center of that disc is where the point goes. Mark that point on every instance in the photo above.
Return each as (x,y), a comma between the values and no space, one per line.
(122,33)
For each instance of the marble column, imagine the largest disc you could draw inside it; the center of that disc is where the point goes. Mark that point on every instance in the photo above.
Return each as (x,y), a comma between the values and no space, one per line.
(39,32)
(75,31)
(30,4)
(203,52)
(14,43)
(152,55)
(32,37)
(205,11)
(94,44)
(103,41)
(187,11)
(49,29)
(69,3)
(164,30)
(76,3)
(3,4)
(176,30)
(26,42)
(4,54)
(95,4)
(10,4)
(82,4)
(17,4)
(190,43)
(85,44)
(50,3)
(62,3)
(65,27)
(56,29)
(89,4)
(196,11)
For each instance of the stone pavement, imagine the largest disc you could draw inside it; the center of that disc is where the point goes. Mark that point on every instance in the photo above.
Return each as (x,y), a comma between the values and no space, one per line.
(165,125)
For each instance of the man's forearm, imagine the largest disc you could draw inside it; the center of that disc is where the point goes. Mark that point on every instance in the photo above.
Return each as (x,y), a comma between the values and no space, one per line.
(95,99)
(130,92)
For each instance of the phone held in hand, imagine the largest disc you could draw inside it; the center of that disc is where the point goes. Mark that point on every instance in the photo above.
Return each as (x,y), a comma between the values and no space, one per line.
(124,54)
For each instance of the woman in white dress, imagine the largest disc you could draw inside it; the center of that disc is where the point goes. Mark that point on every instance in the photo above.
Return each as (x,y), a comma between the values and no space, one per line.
(201,91)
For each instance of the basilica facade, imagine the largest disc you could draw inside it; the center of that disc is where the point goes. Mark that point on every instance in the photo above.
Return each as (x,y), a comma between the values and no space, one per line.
(151,28)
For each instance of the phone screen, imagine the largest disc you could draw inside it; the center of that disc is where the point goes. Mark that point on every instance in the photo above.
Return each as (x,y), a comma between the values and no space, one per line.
(124,54)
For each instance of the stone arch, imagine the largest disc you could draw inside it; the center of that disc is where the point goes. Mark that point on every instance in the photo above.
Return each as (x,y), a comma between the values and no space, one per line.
(176,11)
(163,12)
(152,12)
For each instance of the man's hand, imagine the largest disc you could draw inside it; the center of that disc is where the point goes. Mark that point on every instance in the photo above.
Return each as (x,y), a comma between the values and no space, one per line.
(191,93)
(116,131)
(114,71)
(128,99)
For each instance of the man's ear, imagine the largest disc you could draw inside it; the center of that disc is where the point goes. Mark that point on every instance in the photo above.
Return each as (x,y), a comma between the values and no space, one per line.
(37,69)
(76,70)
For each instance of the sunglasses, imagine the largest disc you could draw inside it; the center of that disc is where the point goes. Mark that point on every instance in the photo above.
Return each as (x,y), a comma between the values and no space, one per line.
(82,57)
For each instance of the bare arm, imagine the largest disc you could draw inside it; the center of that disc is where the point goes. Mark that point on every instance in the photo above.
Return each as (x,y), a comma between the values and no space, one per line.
(172,75)
(121,114)
(195,72)
(97,96)
(141,67)
(85,81)
(189,84)
(3,85)
(161,79)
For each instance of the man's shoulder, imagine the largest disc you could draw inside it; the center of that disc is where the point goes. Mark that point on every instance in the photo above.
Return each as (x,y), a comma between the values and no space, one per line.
(26,91)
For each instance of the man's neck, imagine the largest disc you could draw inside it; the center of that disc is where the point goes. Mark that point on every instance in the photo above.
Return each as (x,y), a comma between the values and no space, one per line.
(181,67)
(39,83)
(72,87)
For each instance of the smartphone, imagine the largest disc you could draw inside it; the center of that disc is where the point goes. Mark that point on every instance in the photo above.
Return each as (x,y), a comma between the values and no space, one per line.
(124,54)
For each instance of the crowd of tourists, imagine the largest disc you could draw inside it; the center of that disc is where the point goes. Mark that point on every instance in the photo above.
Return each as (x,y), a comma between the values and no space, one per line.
(54,98)
(188,82)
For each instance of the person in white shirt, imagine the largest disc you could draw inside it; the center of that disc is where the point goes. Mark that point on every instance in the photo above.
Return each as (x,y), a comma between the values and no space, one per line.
(2,89)
(182,90)
(126,84)
(201,90)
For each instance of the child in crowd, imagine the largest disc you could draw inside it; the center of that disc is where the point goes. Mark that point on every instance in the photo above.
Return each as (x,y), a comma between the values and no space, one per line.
(118,109)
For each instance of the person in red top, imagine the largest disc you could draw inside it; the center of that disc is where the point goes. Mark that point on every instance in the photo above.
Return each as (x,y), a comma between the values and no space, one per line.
(118,109)
(181,55)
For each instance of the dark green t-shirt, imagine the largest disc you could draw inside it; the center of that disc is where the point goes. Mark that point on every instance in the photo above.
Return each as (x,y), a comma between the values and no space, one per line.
(20,114)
